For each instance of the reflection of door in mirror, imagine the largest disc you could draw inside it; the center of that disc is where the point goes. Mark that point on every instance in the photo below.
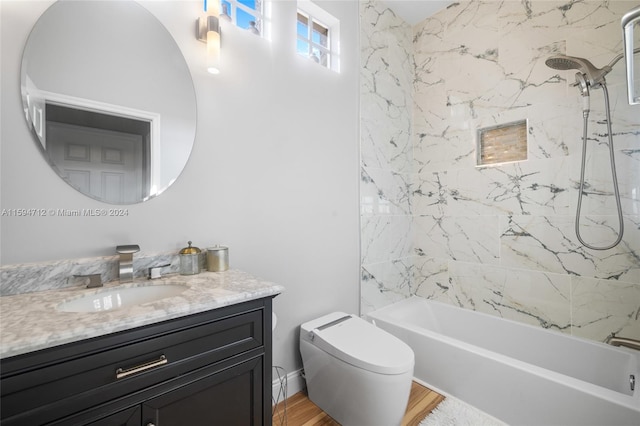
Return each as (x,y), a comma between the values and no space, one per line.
(109,165)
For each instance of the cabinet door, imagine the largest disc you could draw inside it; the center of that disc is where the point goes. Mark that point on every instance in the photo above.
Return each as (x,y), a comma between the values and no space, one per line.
(233,396)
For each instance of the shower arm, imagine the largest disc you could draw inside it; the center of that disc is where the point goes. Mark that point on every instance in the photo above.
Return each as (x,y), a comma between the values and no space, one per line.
(597,79)
(620,56)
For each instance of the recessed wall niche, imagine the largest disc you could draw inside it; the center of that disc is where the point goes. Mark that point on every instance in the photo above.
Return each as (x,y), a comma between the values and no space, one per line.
(503,143)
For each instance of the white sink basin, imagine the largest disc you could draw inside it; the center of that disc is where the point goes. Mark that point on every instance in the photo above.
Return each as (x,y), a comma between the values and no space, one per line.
(117,298)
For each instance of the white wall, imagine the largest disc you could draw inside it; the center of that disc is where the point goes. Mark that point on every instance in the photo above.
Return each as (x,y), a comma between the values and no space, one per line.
(273,173)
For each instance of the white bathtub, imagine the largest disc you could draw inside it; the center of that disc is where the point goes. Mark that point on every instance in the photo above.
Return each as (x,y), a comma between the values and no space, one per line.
(520,374)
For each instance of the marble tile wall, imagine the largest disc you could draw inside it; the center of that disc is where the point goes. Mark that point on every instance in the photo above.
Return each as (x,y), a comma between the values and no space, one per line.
(33,277)
(498,239)
(387,161)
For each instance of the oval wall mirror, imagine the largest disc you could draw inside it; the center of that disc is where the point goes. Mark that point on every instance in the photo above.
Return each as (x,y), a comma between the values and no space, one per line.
(109,99)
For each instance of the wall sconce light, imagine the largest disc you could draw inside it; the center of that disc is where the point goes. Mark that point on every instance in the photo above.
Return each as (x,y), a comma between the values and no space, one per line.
(208,31)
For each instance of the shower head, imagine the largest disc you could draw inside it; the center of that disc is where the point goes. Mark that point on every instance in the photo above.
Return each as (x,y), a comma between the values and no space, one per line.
(594,75)
(562,62)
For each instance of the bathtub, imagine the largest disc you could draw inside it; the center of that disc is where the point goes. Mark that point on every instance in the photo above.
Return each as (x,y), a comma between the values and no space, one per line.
(520,374)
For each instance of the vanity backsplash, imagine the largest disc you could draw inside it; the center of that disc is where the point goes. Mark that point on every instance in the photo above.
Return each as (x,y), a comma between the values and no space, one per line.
(32,277)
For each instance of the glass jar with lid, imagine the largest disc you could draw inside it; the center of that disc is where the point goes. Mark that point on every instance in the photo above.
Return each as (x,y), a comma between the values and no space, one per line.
(190,260)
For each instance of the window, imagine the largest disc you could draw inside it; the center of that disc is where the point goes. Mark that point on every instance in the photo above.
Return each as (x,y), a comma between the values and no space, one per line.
(317,35)
(313,40)
(247,14)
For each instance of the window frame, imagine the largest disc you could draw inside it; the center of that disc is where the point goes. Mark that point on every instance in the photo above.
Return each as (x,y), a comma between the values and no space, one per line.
(318,16)
(309,40)
(261,15)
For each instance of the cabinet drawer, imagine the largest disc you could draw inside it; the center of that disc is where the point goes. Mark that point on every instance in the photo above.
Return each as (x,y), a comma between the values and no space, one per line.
(143,358)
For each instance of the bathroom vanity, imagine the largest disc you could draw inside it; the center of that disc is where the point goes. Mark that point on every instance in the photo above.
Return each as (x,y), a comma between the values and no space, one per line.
(202,357)
(198,355)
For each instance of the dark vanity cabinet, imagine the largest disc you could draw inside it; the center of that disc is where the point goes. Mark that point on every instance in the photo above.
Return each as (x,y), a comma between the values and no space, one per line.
(209,368)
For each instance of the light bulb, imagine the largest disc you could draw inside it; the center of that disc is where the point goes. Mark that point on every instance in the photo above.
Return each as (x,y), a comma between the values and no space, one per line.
(213,52)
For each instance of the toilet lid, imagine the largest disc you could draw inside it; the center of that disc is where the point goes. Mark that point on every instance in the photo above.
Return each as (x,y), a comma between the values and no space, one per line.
(357,342)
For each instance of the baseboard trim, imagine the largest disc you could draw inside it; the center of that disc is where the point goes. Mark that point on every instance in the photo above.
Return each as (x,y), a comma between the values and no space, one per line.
(295,383)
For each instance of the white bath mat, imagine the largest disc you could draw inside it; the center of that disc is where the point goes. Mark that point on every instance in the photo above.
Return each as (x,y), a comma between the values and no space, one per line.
(453,412)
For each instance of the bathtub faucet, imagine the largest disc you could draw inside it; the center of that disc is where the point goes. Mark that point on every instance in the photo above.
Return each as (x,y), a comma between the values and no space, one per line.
(612,339)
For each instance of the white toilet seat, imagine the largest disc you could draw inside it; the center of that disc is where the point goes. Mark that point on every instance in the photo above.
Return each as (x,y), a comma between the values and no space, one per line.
(359,343)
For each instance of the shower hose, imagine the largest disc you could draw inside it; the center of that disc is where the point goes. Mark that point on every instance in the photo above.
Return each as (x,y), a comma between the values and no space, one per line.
(613,175)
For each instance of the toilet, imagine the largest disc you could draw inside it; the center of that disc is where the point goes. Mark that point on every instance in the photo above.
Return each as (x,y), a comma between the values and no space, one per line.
(357,373)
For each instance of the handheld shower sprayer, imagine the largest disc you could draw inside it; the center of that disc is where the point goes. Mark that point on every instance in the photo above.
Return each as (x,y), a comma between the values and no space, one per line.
(594,76)
(582,84)
(588,76)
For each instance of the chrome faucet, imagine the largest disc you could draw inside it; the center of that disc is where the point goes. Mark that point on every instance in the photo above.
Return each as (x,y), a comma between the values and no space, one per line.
(125,265)
(613,340)
(155,271)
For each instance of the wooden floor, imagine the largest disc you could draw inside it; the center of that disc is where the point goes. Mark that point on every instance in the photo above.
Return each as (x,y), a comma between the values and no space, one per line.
(300,411)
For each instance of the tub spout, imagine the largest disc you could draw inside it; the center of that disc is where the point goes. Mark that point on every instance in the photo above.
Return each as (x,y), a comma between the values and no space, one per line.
(613,340)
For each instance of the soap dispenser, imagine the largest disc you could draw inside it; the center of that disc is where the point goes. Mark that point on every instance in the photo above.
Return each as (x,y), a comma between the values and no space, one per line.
(190,260)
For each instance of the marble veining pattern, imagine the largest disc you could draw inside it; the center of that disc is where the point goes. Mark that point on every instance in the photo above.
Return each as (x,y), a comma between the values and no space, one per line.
(529,188)
(458,238)
(601,307)
(548,243)
(386,78)
(25,278)
(527,296)
(387,156)
(386,281)
(384,192)
(30,321)
(387,237)
(431,279)
(500,239)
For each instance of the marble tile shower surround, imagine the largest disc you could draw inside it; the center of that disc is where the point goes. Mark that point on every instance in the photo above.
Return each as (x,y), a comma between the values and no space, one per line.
(498,239)
(33,277)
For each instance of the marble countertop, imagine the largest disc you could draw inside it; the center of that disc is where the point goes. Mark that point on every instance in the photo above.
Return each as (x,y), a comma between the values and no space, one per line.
(31,321)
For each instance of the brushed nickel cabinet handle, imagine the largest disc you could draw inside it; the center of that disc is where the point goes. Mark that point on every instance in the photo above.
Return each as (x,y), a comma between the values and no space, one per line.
(124,372)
